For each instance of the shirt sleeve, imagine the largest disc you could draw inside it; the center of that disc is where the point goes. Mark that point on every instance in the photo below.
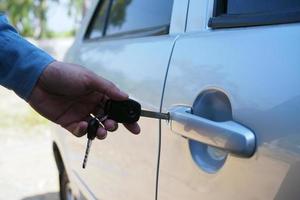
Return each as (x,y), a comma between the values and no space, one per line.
(21,63)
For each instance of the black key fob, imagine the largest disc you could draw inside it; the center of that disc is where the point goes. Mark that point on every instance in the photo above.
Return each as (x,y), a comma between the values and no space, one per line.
(128,111)
(92,128)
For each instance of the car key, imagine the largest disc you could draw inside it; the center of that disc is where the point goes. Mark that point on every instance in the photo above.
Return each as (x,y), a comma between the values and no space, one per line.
(129,111)
(155,115)
(92,128)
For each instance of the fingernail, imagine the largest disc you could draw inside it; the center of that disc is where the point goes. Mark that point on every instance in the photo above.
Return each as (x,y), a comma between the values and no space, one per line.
(116,127)
(101,137)
(101,134)
(137,130)
(113,128)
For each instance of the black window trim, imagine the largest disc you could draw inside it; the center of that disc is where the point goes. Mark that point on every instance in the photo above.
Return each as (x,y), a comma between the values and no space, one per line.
(222,20)
(145,32)
(94,18)
(107,18)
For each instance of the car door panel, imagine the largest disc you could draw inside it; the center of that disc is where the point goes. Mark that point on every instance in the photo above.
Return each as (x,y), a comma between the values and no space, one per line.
(123,161)
(258,70)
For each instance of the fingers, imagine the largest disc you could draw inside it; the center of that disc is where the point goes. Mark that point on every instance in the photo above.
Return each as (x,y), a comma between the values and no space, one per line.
(133,128)
(110,125)
(101,133)
(79,129)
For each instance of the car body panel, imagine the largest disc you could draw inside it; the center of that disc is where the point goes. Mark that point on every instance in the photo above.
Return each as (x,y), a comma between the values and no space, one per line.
(258,70)
(198,15)
(118,164)
(179,16)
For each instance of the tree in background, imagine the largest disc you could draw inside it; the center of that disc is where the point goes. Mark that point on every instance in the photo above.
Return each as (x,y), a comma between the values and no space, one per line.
(40,12)
(30,16)
(117,15)
(20,14)
(77,8)
(118,12)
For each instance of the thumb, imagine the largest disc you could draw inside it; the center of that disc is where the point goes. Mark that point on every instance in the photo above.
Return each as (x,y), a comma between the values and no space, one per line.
(102,85)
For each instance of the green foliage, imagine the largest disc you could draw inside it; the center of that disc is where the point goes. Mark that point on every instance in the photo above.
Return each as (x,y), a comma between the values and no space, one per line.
(19,12)
(117,17)
(30,16)
(67,34)
(77,9)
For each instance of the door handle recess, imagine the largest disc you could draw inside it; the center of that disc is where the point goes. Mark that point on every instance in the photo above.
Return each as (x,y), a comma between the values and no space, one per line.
(229,135)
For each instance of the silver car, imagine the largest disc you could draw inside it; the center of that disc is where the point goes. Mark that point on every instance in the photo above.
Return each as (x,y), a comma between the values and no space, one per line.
(228,72)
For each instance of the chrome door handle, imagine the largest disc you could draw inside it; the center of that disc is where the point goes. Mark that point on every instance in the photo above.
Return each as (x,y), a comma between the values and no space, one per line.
(229,136)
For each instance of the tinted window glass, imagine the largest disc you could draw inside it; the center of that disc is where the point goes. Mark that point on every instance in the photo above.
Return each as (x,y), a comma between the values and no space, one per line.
(244,13)
(139,15)
(96,27)
(255,6)
(261,6)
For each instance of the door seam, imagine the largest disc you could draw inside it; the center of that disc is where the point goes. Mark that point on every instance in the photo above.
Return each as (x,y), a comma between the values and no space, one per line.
(159,123)
(187,15)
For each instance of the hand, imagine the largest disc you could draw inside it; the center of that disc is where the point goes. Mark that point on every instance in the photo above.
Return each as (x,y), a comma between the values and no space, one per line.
(66,94)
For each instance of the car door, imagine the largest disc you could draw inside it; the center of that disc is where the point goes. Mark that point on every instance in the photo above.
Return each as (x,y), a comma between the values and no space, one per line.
(233,82)
(128,42)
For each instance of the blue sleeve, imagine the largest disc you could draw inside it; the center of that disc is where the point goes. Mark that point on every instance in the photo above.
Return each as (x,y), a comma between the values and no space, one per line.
(21,63)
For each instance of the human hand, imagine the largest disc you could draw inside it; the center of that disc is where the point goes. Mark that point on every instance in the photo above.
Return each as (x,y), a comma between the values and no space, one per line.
(66,94)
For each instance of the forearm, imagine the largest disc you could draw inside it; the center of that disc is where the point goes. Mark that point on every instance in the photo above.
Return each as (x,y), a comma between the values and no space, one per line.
(21,63)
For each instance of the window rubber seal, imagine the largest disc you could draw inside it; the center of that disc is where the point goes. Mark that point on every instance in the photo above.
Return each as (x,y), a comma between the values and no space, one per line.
(257,19)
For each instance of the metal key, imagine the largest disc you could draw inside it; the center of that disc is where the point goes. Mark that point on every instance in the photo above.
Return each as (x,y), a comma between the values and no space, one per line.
(129,111)
(92,128)
(155,115)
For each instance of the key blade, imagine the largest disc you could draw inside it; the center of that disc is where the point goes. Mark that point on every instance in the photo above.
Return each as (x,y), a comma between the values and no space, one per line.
(87,151)
(156,115)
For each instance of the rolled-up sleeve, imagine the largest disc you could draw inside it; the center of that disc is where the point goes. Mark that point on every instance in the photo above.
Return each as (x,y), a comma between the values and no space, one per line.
(21,63)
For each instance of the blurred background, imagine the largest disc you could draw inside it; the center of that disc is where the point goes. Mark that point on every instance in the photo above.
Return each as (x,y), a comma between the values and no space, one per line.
(27,166)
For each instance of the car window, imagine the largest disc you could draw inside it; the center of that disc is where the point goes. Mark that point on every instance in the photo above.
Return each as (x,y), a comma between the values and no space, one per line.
(261,6)
(96,27)
(239,13)
(133,17)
